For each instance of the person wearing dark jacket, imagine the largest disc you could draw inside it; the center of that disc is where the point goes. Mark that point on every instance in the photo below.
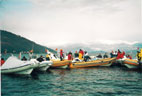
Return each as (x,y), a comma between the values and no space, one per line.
(105,55)
(40,59)
(76,55)
(24,58)
(99,56)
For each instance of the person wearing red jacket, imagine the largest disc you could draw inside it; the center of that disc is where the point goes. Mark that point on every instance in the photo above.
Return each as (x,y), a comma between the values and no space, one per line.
(81,51)
(120,54)
(2,61)
(70,56)
(61,55)
(128,56)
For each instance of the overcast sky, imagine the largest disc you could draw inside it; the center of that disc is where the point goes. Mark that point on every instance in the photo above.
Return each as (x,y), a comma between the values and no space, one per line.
(57,22)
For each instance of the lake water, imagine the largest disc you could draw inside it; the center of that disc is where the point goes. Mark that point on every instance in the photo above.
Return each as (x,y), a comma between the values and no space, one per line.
(112,81)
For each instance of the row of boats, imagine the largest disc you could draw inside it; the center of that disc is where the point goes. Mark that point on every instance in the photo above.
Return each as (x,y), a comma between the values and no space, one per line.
(13,65)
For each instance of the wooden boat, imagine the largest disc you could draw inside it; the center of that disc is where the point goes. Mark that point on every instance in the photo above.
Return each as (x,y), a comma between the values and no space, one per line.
(130,63)
(100,62)
(15,66)
(61,64)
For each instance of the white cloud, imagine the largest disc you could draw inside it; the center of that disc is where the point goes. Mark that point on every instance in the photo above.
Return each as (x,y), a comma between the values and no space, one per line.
(58,22)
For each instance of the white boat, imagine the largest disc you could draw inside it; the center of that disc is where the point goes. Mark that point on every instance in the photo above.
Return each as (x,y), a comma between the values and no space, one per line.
(15,66)
(44,65)
(41,66)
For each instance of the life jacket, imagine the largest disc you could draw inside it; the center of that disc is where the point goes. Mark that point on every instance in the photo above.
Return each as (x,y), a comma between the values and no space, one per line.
(2,62)
(130,57)
(69,57)
(82,52)
(61,53)
(80,56)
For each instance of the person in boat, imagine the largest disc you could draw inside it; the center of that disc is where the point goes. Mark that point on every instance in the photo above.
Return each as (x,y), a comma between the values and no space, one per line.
(24,58)
(61,55)
(81,54)
(70,57)
(48,57)
(99,56)
(105,55)
(139,57)
(76,55)
(2,61)
(128,56)
(86,56)
(120,54)
(40,59)
(111,54)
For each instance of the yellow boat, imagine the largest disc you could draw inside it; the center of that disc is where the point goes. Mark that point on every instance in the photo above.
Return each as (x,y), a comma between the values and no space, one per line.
(61,64)
(100,62)
(130,63)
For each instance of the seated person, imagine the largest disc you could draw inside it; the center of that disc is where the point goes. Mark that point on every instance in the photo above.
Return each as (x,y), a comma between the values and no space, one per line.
(105,55)
(40,59)
(99,56)
(24,58)
(48,57)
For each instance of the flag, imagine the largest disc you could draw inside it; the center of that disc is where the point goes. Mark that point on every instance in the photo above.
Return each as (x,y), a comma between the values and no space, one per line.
(31,51)
(19,55)
(46,50)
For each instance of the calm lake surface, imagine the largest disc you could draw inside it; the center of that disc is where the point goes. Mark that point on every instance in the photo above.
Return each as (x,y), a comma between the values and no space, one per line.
(112,81)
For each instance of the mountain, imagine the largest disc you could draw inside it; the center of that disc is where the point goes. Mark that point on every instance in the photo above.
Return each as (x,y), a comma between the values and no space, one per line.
(14,43)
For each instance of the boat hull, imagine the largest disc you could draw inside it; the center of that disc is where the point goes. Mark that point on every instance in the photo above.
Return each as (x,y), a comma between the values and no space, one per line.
(61,64)
(129,63)
(95,63)
(26,69)
(43,66)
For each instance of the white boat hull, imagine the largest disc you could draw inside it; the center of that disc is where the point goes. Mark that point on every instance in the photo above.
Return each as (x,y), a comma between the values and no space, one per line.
(27,69)
(43,66)
(13,65)
(130,66)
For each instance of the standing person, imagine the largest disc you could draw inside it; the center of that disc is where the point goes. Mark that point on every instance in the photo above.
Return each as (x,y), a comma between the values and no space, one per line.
(118,54)
(76,55)
(61,55)
(128,56)
(112,54)
(2,61)
(81,54)
(139,57)
(70,57)
(86,56)
(115,54)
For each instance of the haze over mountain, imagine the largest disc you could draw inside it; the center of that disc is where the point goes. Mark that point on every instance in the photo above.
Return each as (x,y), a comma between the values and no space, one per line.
(100,46)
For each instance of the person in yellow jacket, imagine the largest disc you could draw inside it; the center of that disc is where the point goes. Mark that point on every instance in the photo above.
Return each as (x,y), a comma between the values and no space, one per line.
(139,55)
(48,58)
(80,56)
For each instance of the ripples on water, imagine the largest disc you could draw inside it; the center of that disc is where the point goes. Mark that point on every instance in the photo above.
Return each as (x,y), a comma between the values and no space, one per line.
(74,82)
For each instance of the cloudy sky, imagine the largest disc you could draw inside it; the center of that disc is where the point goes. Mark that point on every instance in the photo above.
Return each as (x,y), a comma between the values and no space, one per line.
(57,22)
